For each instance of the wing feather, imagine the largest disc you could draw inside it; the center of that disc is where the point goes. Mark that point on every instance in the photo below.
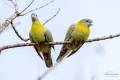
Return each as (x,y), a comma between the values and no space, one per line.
(49,37)
(69,32)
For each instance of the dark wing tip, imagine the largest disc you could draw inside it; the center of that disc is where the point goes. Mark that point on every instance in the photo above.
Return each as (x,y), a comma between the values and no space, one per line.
(38,53)
(58,59)
(64,51)
(48,59)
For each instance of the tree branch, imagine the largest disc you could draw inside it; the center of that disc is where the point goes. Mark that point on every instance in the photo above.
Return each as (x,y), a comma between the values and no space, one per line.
(52,17)
(104,38)
(27,7)
(8,21)
(37,8)
(18,33)
(56,43)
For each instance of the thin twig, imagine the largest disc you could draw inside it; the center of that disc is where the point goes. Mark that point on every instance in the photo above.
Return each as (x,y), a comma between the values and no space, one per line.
(52,17)
(104,38)
(57,43)
(37,8)
(27,7)
(16,11)
(18,33)
(8,21)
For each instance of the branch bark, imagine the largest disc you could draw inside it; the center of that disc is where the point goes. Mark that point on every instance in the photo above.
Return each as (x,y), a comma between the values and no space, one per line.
(6,23)
(10,19)
(18,33)
(57,43)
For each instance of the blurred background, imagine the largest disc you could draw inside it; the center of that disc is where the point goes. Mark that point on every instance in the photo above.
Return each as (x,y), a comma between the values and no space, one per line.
(94,61)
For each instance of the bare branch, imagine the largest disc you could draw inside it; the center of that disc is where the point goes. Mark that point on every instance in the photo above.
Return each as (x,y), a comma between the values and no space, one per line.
(57,43)
(18,33)
(104,38)
(52,17)
(6,23)
(16,45)
(27,7)
(37,8)
(10,19)
(30,44)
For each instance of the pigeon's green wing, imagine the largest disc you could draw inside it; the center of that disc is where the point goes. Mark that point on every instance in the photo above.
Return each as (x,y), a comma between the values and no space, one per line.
(69,32)
(47,53)
(66,48)
(49,37)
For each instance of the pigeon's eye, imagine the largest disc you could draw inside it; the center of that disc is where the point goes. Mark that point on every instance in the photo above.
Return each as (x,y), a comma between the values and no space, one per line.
(35,15)
(87,20)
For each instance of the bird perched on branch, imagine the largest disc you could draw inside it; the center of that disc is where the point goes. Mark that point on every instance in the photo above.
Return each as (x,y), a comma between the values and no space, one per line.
(77,33)
(40,34)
